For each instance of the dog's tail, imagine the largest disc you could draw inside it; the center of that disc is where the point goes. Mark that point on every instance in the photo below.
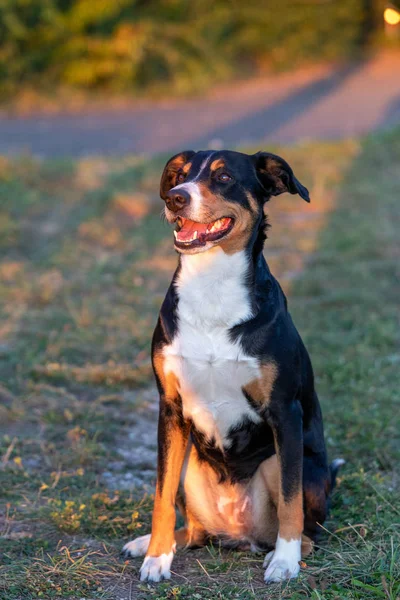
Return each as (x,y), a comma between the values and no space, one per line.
(334,469)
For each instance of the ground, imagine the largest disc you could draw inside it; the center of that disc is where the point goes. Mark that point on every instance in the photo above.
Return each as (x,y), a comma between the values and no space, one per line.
(85,262)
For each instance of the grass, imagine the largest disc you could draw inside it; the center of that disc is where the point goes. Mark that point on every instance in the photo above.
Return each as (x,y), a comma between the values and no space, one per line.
(85,261)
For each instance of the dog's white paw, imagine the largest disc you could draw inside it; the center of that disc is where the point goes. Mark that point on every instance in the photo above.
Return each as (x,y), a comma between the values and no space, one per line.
(155,568)
(280,570)
(137,547)
(283,562)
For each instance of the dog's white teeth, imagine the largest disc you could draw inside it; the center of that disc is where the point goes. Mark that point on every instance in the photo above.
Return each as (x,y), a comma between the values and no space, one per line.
(217,225)
(186,240)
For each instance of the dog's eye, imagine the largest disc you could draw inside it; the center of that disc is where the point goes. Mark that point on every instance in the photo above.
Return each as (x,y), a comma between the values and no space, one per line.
(181,177)
(224,177)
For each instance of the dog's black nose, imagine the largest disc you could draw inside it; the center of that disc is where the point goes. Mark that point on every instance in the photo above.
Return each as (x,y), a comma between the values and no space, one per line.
(176,200)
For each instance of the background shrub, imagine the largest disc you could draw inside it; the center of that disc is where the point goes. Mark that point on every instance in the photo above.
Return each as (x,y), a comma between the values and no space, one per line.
(171,45)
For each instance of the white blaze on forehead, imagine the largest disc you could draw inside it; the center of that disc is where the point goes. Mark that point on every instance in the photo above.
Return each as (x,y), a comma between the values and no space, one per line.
(204,164)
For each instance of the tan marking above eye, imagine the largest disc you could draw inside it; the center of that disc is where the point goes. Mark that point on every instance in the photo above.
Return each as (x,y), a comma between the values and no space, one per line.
(186,168)
(216,164)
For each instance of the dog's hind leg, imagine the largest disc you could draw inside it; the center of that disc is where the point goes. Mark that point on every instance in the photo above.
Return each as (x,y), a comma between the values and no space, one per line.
(192,535)
(185,537)
(140,545)
(315,495)
(285,419)
(318,483)
(316,476)
(137,547)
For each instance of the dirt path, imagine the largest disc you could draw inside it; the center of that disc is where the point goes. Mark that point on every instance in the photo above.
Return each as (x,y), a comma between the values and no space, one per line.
(323,102)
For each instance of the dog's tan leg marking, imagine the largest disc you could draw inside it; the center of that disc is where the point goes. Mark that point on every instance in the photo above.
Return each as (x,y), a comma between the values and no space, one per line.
(291,516)
(173,434)
(163,522)
(283,562)
(290,512)
(162,544)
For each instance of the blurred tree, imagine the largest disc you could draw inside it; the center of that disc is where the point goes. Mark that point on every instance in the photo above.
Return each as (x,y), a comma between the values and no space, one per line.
(373,22)
(171,45)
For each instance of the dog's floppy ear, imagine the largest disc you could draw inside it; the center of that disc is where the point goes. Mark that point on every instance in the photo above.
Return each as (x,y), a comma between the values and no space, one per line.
(277,177)
(168,178)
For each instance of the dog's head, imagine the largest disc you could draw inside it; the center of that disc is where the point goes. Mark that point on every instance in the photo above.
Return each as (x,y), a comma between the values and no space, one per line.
(217,198)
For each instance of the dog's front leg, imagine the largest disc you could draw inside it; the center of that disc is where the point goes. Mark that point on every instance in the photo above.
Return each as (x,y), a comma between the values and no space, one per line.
(286,423)
(173,433)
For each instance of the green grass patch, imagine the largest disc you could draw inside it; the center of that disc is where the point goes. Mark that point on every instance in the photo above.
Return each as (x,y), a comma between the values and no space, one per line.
(85,262)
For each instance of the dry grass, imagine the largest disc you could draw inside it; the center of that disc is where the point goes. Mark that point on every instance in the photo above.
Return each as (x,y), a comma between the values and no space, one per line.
(85,261)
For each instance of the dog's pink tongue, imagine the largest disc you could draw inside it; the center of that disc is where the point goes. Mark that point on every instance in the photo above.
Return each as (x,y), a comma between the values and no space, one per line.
(188,230)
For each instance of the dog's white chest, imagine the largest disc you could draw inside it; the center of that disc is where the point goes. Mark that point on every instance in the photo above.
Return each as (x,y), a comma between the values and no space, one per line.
(210,367)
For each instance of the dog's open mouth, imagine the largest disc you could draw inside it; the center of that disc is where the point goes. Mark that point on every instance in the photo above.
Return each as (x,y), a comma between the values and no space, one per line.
(190,234)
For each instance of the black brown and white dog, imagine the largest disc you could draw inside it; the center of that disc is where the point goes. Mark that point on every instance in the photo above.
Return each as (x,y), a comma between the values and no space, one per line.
(241,448)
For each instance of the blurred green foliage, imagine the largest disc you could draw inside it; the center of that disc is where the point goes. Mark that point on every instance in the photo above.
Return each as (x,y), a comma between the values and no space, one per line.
(183,44)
